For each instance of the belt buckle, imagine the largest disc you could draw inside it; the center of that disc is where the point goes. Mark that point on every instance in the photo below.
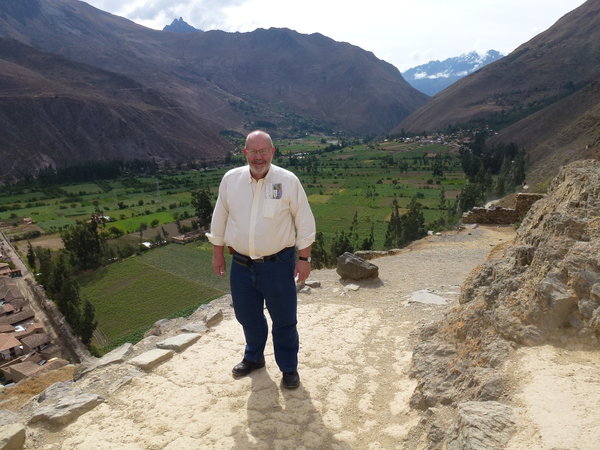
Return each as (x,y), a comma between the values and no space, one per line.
(259,260)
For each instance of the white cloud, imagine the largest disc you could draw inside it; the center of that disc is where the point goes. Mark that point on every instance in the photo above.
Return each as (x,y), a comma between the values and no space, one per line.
(439,75)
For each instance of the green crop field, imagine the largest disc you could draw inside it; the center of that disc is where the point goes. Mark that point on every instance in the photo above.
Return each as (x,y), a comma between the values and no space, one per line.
(129,296)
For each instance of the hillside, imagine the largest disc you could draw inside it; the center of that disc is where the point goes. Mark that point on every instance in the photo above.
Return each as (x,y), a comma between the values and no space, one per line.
(55,111)
(566,131)
(553,72)
(276,79)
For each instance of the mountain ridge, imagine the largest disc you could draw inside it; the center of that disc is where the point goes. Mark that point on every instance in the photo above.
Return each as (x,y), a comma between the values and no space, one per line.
(347,88)
(435,76)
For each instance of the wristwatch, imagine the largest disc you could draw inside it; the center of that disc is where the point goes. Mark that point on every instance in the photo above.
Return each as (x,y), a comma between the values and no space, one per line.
(305,258)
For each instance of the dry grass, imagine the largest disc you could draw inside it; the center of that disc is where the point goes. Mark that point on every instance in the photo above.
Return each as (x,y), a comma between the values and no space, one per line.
(14,398)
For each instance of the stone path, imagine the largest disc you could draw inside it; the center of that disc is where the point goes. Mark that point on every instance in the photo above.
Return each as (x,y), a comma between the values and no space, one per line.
(354,358)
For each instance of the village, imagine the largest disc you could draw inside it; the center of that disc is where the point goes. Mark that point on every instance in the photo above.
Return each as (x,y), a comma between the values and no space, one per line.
(27,348)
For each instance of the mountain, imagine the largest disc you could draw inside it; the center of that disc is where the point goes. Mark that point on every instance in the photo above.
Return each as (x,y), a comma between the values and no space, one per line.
(435,76)
(180,26)
(543,96)
(276,79)
(54,111)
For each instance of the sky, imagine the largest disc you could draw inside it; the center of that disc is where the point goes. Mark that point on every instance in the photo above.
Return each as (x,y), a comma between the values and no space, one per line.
(405,33)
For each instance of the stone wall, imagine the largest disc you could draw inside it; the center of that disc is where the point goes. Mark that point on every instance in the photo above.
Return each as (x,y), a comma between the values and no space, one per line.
(502,216)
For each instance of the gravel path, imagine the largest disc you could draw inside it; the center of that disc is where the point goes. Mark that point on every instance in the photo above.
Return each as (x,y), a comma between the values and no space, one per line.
(354,358)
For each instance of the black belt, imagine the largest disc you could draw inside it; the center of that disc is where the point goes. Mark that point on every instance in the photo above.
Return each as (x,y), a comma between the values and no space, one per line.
(246,261)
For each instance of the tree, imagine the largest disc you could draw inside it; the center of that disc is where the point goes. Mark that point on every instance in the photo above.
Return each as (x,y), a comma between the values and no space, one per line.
(68,302)
(500,188)
(353,232)
(46,266)
(438,166)
(85,245)
(413,223)
(30,256)
(367,243)
(202,206)
(87,323)
(318,252)
(393,234)
(60,271)
(472,195)
(442,199)
(341,244)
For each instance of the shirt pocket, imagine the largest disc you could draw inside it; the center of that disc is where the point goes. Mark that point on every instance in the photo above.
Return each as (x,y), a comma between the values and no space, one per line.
(271,207)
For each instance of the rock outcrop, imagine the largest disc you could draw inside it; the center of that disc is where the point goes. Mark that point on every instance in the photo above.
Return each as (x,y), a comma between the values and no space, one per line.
(542,288)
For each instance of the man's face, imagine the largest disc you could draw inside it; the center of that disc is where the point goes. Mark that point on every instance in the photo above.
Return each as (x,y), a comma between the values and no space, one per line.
(259,154)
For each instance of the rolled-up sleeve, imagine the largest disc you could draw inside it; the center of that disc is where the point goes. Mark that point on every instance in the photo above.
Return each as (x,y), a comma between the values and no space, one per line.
(216,236)
(304,221)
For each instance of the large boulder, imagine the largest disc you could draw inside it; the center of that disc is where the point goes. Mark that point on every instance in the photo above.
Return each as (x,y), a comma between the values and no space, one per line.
(351,267)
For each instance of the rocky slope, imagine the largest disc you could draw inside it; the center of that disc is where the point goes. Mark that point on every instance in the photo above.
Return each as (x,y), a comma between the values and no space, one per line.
(54,111)
(543,288)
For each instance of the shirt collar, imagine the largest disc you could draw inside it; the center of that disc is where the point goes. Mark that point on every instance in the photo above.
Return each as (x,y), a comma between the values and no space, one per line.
(266,178)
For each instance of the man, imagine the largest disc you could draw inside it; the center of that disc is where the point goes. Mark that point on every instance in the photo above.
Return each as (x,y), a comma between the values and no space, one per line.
(261,214)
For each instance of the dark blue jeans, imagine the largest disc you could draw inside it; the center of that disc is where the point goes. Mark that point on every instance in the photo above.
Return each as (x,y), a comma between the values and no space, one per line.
(271,283)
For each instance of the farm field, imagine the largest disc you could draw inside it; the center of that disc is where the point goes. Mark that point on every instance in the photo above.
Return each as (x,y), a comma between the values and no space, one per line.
(130,295)
(361,178)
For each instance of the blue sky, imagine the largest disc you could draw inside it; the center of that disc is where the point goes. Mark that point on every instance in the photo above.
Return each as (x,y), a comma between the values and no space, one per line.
(405,33)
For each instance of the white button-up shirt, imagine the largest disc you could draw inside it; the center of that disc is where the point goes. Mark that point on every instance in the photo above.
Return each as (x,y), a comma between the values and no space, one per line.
(260,218)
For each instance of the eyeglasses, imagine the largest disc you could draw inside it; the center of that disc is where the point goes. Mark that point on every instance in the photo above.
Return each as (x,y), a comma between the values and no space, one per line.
(261,152)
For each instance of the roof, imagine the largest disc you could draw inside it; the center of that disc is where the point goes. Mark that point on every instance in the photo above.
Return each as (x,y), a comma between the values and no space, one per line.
(8,341)
(26,368)
(9,293)
(17,317)
(19,303)
(7,308)
(35,340)
(7,283)
(5,328)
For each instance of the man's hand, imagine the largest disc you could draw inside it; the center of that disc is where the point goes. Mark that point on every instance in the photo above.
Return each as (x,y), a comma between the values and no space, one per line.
(218,260)
(302,270)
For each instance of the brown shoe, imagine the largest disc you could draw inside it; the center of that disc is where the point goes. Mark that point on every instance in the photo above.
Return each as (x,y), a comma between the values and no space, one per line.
(245,367)
(290,380)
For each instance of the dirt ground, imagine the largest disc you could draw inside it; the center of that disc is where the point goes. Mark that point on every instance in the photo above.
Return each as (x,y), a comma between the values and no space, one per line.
(354,360)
